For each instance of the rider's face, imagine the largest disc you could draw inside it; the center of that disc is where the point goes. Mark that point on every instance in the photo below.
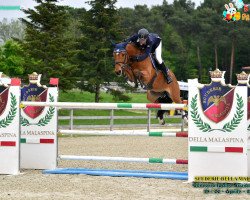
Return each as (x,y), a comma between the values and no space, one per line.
(142,41)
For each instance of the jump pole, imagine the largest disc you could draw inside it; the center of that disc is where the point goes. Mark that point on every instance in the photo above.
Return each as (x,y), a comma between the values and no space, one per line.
(121,173)
(113,106)
(101,106)
(125,133)
(124,159)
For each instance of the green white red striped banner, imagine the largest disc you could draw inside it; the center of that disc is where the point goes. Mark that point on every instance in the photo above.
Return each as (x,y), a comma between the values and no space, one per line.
(124,159)
(126,133)
(7,143)
(216,149)
(99,106)
(37,141)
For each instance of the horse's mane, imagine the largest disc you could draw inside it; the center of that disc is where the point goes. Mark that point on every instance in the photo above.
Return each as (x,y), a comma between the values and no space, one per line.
(132,49)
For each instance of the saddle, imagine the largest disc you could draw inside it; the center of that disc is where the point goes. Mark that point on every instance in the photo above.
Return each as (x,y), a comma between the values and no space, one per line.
(154,62)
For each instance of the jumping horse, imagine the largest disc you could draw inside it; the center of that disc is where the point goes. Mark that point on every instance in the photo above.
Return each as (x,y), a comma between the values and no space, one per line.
(144,72)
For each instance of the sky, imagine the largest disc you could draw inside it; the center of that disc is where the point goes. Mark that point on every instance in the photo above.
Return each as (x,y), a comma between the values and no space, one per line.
(75,3)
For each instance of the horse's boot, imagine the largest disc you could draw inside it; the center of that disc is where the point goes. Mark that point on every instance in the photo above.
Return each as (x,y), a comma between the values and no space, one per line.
(165,70)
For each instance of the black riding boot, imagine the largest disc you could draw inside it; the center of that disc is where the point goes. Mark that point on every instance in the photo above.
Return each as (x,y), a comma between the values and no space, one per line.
(164,70)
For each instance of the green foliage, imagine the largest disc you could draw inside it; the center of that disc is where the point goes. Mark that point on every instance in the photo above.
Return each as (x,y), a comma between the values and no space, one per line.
(99,25)
(50,113)
(238,116)
(12,59)
(74,44)
(12,113)
(11,29)
(47,43)
(203,126)
(185,29)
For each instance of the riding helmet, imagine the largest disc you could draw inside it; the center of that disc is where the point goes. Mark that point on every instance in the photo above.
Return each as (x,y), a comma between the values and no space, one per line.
(143,33)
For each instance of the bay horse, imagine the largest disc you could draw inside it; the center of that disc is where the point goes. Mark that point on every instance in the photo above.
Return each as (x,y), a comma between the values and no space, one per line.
(144,72)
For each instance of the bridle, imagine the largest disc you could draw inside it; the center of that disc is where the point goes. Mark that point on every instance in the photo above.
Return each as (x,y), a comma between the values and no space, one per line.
(126,65)
(125,62)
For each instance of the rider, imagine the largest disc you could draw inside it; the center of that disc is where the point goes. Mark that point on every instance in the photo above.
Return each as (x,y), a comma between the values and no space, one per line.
(152,44)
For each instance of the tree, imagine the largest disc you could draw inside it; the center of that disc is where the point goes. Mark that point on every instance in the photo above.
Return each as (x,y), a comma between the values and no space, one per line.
(13,29)
(46,42)
(99,25)
(12,59)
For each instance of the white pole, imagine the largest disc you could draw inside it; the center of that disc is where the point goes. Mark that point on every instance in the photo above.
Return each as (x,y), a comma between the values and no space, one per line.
(124,159)
(99,106)
(125,133)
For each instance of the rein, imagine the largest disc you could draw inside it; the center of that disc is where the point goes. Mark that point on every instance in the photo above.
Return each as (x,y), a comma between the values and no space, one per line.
(124,64)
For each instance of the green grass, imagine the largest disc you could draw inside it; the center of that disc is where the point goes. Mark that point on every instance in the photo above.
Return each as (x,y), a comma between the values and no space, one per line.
(77,96)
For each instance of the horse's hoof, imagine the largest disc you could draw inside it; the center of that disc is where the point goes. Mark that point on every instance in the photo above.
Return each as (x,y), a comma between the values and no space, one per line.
(132,84)
(185,119)
(161,121)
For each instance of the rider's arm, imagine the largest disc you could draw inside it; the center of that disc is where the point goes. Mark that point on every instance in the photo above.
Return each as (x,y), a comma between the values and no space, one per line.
(142,57)
(132,39)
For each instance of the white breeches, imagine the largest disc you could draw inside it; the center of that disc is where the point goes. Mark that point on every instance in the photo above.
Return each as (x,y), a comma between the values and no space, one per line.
(158,53)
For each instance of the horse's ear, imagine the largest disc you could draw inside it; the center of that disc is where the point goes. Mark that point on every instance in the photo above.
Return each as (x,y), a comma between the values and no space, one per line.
(112,42)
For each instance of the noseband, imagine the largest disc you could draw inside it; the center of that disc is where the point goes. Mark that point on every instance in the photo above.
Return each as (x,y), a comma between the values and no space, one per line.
(124,64)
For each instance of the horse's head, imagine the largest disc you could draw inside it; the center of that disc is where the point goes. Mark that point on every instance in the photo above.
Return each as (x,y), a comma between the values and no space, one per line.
(121,58)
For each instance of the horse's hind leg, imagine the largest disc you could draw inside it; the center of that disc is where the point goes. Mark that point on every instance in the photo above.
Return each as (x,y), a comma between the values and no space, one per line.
(163,99)
(159,97)
(173,89)
(174,92)
(153,96)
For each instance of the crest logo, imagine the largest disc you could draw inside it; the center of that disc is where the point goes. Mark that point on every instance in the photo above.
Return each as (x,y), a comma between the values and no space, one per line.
(4,93)
(216,100)
(34,92)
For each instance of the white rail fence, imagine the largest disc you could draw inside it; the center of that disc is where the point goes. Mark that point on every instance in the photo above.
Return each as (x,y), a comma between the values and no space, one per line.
(112,124)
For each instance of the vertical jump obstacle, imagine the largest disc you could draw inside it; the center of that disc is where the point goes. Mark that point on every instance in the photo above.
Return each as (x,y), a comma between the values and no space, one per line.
(38,125)
(217,128)
(9,127)
(243,80)
(129,173)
